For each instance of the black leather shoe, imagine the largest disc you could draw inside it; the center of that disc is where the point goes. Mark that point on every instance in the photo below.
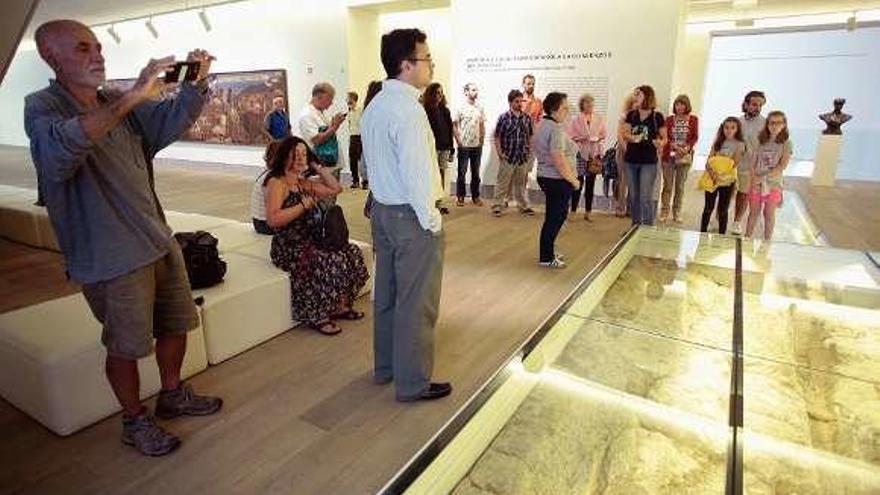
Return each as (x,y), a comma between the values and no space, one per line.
(433,392)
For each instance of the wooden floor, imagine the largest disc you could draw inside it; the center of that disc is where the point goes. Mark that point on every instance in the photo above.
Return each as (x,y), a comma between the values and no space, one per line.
(301,414)
(848,214)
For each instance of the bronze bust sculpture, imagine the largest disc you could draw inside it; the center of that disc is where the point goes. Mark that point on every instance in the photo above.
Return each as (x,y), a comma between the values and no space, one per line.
(835,118)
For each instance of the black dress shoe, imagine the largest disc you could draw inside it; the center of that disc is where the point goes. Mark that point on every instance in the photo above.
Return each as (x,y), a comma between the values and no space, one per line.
(433,392)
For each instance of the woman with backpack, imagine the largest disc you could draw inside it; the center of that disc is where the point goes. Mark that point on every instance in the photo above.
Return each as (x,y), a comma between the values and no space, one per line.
(324,282)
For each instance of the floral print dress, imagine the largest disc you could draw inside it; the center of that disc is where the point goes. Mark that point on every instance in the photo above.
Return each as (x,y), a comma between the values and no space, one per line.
(319,279)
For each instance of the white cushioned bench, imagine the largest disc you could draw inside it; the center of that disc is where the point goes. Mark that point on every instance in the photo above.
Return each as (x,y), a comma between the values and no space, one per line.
(261,247)
(191,222)
(237,235)
(19,219)
(52,364)
(249,307)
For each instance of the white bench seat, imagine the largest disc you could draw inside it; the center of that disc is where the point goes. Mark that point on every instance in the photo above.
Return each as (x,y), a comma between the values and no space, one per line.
(52,364)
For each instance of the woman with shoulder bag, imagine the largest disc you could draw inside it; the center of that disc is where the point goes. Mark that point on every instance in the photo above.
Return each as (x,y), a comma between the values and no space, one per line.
(587,130)
(678,155)
(323,283)
(644,131)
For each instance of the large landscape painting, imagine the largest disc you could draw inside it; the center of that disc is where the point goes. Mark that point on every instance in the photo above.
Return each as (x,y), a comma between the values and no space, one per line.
(237,105)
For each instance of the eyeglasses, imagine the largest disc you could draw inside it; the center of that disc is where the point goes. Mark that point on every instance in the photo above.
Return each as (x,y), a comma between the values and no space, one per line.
(427,59)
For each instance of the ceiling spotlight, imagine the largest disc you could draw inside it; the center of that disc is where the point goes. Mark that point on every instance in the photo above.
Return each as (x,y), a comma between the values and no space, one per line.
(152,28)
(113,34)
(203,16)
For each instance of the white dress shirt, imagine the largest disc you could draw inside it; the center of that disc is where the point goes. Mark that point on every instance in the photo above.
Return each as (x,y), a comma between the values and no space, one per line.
(399,152)
(308,124)
(354,121)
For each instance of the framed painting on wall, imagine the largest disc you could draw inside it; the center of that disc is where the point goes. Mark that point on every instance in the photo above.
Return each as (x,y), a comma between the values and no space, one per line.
(237,105)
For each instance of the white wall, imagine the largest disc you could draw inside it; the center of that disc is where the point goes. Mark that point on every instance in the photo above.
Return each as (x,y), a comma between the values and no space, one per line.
(364,63)
(269,34)
(691,63)
(263,34)
(641,36)
(26,74)
(437,25)
(802,73)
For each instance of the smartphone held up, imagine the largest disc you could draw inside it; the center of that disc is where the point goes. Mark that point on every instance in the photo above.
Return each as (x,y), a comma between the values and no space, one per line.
(183,71)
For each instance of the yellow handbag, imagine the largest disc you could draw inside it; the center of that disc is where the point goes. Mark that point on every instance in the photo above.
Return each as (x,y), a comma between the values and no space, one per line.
(723,166)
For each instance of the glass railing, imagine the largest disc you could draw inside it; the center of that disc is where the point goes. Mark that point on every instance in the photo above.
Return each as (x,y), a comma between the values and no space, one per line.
(684,363)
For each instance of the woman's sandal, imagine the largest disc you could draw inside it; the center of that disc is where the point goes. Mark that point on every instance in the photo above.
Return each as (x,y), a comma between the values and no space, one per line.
(349,314)
(326,328)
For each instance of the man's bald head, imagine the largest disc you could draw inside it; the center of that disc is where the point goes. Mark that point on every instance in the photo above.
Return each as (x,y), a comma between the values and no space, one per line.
(72,50)
(50,34)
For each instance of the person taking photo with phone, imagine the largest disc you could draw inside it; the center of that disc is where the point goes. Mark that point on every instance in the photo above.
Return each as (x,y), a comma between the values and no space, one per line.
(315,128)
(93,151)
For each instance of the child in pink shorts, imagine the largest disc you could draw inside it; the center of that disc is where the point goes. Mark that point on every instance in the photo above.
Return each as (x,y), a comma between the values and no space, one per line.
(772,156)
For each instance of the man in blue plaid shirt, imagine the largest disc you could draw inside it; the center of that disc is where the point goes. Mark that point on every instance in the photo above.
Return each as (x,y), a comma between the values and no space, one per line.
(513,135)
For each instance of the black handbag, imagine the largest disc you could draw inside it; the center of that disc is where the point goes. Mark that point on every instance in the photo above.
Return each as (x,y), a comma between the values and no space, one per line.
(332,234)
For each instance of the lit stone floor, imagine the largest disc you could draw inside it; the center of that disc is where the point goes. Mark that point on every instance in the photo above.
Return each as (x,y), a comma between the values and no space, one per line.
(637,402)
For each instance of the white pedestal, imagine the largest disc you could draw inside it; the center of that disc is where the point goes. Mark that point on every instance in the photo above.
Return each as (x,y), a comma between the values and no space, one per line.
(827,158)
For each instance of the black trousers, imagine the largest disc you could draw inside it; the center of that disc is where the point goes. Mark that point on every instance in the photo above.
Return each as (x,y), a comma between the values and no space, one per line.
(465,156)
(723,195)
(355,150)
(557,194)
(587,185)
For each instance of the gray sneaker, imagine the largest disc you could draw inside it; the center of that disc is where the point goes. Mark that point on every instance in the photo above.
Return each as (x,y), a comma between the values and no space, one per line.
(142,433)
(185,402)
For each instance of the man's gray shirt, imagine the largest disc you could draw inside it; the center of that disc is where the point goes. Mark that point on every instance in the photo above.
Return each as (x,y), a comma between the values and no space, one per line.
(98,194)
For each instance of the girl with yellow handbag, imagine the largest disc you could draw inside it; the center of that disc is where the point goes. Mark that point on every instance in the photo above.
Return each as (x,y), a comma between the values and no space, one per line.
(719,179)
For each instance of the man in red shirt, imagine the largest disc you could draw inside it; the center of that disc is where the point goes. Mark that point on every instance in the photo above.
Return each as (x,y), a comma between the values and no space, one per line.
(532,105)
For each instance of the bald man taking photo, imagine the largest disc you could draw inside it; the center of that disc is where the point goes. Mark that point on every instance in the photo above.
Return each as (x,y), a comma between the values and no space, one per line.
(93,151)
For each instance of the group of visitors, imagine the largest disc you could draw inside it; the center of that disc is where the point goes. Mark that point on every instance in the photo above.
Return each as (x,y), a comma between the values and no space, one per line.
(93,151)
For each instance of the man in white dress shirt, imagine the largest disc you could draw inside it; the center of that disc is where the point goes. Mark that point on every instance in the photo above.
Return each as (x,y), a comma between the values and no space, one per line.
(407,227)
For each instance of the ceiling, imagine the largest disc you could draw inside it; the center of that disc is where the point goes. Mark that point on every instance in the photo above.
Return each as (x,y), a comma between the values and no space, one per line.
(104,11)
(722,10)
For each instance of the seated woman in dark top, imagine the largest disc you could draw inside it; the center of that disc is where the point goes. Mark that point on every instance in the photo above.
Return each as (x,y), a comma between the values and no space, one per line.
(323,284)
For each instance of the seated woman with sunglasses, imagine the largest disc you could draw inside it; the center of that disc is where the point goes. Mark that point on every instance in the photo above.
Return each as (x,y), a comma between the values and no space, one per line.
(323,283)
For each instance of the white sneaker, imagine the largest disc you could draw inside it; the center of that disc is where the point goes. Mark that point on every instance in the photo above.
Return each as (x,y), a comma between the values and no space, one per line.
(556,263)
(736,229)
(559,256)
